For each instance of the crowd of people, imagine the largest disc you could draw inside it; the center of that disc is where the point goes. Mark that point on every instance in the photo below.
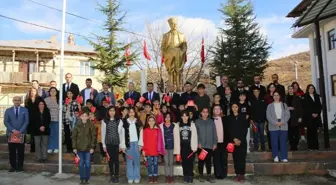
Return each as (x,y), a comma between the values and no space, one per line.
(206,124)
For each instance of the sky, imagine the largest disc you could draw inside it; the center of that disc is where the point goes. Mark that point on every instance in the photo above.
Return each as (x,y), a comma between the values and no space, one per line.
(197,18)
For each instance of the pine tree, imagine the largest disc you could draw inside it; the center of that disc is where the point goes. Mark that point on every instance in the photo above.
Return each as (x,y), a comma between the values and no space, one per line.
(110,57)
(240,51)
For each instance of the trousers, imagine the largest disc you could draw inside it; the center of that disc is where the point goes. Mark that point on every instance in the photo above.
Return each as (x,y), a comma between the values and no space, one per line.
(207,162)
(220,161)
(113,151)
(169,162)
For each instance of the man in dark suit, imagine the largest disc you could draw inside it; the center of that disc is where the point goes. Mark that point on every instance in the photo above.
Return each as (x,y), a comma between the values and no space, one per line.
(240,89)
(175,98)
(221,88)
(151,95)
(257,83)
(16,121)
(68,85)
(134,95)
(188,94)
(280,88)
(89,92)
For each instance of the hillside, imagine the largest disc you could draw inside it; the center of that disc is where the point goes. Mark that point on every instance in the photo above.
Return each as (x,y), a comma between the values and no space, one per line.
(285,68)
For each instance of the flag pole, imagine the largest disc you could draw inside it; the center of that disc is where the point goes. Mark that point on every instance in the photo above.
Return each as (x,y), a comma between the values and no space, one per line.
(61,92)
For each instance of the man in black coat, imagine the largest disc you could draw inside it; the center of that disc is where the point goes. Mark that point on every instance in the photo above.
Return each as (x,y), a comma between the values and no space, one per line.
(188,94)
(257,83)
(175,98)
(221,88)
(239,90)
(68,85)
(89,92)
(280,88)
(151,95)
(134,95)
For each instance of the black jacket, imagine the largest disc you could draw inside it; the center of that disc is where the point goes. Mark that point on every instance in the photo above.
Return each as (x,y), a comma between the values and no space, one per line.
(262,89)
(175,99)
(236,93)
(156,96)
(281,89)
(238,127)
(135,96)
(310,107)
(185,97)
(221,92)
(74,89)
(258,108)
(32,111)
(44,121)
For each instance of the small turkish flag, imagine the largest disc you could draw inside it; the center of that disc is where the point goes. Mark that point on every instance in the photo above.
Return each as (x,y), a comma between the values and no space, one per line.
(203,155)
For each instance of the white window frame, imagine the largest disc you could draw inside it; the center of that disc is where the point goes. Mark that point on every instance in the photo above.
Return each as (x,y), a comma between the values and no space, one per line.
(86,68)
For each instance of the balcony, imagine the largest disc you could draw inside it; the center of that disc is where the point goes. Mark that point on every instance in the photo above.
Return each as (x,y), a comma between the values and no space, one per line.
(12,77)
(42,77)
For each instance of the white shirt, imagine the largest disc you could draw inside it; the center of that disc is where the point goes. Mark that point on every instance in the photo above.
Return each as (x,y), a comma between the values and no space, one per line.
(87,93)
(278,110)
(312,96)
(67,86)
(132,130)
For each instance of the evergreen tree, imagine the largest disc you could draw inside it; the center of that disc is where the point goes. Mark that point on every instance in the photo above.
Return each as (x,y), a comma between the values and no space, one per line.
(240,51)
(110,57)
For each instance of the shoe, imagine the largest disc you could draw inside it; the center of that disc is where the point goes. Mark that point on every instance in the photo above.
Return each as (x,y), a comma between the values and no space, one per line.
(201,178)
(241,178)
(284,160)
(81,182)
(209,179)
(49,151)
(11,170)
(56,151)
(137,181)
(20,170)
(155,179)
(112,180)
(191,180)
(276,159)
(172,181)
(167,179)
(86,181)
(116,180)
(236,178)
(130,181)
(150,180)
(185,179)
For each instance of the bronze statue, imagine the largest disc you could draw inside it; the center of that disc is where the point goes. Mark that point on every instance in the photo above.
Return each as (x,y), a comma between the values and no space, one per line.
(173,50)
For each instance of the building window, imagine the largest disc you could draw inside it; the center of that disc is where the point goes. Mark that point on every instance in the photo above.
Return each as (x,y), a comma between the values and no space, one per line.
(333,84)
(332,39)
(86,68)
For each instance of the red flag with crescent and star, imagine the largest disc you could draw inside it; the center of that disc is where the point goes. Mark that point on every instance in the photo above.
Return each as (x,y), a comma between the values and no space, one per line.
(146,54)
(202,52)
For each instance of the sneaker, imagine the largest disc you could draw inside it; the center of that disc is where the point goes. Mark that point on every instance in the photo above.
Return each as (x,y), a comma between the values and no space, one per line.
(130,181)
(209,179)
(284,160)
(56,151)
(137,181)
(86,181)
(81,182)
(49,151)
(185,179)
(201,178)
(276,159)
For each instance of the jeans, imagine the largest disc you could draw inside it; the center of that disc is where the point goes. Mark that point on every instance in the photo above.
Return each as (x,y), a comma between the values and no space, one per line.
(169,162)
(259,135)
(84,165)
(133,166)
(276,136)
(53,137)
(152,166)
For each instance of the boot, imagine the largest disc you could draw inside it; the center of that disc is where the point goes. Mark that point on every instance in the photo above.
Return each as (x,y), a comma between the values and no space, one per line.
(150,180)
(155,179)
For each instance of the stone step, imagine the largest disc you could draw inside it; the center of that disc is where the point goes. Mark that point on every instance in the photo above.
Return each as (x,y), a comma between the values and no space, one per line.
(265,168)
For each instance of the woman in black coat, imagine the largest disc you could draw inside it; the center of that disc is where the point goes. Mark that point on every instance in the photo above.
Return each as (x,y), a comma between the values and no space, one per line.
(312,116)
(31,103)
(294,104)
(41,131)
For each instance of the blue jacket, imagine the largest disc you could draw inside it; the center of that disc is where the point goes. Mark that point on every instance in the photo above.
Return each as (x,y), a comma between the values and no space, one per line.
(20,123)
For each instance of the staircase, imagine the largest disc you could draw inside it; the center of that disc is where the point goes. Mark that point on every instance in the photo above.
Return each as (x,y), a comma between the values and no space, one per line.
(258,163)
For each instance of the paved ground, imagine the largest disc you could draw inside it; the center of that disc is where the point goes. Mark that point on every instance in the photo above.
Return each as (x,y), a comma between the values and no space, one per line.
(48,179)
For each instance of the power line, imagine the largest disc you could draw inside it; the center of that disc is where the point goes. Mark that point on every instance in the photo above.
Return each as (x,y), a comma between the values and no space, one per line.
(59,10)
(81,17)
(45,27)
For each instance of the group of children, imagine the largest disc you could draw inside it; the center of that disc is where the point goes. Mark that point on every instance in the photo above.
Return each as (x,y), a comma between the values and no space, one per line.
(152,130)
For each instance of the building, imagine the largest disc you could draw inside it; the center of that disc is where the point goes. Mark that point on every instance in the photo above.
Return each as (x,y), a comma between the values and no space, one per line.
(318,17)
(22,61)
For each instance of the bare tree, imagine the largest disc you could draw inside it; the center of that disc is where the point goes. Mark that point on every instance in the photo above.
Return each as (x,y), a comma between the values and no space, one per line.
(156,71)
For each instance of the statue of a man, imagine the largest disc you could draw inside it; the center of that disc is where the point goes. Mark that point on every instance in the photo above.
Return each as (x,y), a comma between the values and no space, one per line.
(173,50)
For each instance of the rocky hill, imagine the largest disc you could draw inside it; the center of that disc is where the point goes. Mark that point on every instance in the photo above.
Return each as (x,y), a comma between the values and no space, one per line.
(285,68)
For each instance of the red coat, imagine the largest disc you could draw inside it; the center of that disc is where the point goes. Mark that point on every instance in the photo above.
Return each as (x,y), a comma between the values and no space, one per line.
(153,142)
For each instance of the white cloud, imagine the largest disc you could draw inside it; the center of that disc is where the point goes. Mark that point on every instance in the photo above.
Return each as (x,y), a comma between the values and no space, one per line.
(289,50)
